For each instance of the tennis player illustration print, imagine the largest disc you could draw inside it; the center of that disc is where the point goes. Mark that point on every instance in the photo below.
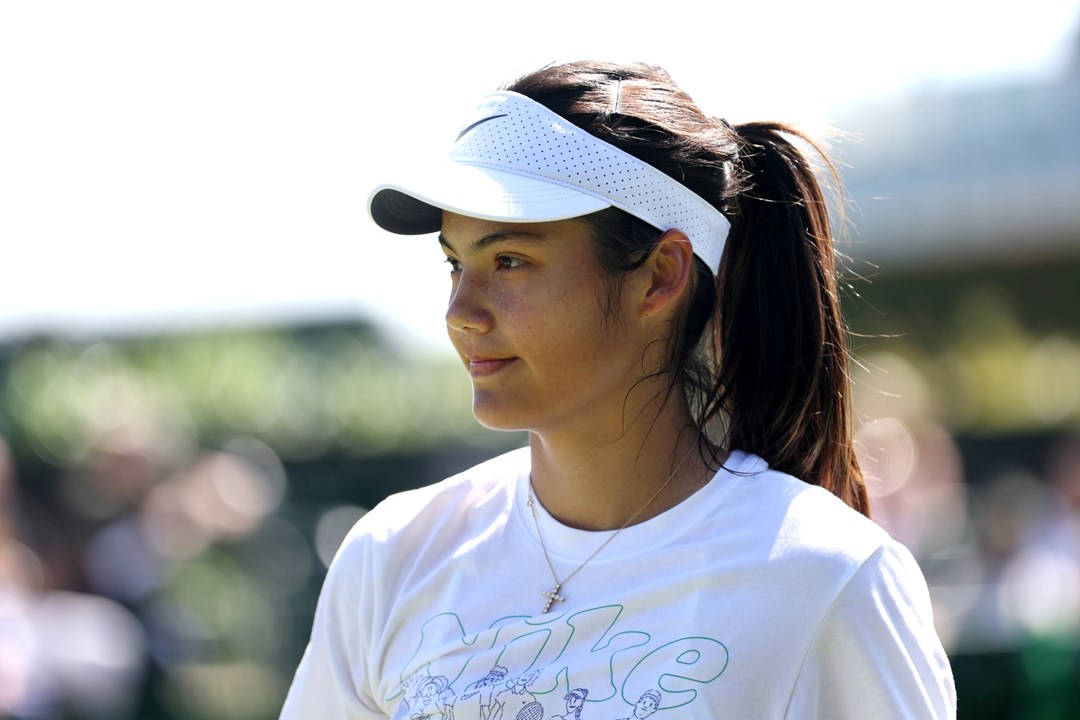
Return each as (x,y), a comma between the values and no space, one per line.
(516,701)
(485,689)
(575,701)
(645,706)
(427,698)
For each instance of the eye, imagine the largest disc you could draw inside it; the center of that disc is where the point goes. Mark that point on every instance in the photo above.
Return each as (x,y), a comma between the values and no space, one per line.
(455,266)
(508,262)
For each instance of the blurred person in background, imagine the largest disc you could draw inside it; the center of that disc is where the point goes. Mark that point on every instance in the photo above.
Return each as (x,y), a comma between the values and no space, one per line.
(649,292)
(62,653)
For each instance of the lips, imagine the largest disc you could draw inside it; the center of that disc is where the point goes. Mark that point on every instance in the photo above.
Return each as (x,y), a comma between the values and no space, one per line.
(482,367)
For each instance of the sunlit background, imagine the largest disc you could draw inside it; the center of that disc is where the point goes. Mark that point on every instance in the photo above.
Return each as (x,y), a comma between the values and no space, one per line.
(212,363)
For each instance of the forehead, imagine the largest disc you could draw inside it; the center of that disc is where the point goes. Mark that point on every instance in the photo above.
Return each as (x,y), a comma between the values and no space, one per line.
(462,234)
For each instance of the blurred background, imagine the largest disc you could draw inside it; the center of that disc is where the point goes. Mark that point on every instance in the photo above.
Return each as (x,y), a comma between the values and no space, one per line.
(212,364)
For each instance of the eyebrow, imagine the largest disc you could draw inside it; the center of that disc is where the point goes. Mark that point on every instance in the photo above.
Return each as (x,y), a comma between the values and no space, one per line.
(494,238)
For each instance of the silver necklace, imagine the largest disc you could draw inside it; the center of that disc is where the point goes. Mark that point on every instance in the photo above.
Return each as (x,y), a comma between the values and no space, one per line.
(553,596)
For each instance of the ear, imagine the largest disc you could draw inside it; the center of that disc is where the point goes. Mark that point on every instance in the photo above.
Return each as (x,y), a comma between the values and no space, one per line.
(667,273)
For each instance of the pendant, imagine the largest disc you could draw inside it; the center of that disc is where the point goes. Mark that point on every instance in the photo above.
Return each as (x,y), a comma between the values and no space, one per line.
(552,596)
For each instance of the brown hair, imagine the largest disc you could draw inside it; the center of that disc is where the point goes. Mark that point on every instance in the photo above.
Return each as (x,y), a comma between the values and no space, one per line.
(761,349)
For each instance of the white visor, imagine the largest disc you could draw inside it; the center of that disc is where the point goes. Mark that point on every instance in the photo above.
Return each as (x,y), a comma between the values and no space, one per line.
(516,161)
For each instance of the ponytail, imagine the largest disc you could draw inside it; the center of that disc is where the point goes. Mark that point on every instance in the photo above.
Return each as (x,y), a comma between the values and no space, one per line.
(773,375)
(782,377)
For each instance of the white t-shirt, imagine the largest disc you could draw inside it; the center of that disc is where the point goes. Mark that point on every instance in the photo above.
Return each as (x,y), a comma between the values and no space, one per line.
(760,596)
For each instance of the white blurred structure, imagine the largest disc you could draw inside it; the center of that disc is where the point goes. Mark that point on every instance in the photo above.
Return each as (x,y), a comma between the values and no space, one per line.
(992,171)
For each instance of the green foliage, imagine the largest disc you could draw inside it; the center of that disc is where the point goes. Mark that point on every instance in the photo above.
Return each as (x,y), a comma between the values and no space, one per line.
(303,393)
(980,350)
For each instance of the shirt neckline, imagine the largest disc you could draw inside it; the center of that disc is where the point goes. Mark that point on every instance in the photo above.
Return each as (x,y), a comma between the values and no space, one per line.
(573,545)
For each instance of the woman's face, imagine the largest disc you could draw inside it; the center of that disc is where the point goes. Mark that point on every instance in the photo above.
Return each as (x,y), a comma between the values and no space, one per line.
(525,316)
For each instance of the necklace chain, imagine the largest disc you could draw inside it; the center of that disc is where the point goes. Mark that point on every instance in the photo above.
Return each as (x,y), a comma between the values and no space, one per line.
(553,595)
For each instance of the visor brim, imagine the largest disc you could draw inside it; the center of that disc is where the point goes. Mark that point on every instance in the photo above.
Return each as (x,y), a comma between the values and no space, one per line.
(415,207)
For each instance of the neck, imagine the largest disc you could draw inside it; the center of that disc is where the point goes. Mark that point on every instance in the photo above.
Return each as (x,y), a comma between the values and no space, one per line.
(636,471)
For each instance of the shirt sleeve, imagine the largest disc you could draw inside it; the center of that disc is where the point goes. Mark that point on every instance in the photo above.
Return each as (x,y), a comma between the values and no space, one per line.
(330,681)
(876,653)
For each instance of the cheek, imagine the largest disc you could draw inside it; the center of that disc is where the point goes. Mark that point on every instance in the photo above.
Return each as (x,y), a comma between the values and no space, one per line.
(555,320)
(569,337)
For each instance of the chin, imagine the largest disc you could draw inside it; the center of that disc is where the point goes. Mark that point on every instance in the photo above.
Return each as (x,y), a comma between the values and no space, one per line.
(497,421)
(495,415)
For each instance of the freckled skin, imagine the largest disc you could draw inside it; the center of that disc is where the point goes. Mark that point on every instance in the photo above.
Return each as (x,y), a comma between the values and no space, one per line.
(535,297)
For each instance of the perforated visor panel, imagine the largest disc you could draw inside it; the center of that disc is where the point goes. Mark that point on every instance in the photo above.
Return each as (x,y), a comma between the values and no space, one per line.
(516,161)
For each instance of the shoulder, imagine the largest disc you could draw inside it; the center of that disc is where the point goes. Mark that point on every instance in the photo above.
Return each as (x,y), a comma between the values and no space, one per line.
(804,514)
(802,525)
(863,598)
(480,491)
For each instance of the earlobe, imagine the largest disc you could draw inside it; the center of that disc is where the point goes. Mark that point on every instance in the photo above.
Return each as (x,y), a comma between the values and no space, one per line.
(669,268)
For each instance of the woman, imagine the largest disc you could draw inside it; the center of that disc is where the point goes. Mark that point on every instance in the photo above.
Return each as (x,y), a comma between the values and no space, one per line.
(650,292)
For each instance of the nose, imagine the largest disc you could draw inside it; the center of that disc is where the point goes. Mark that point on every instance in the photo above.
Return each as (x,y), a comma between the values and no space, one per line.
(469,308)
